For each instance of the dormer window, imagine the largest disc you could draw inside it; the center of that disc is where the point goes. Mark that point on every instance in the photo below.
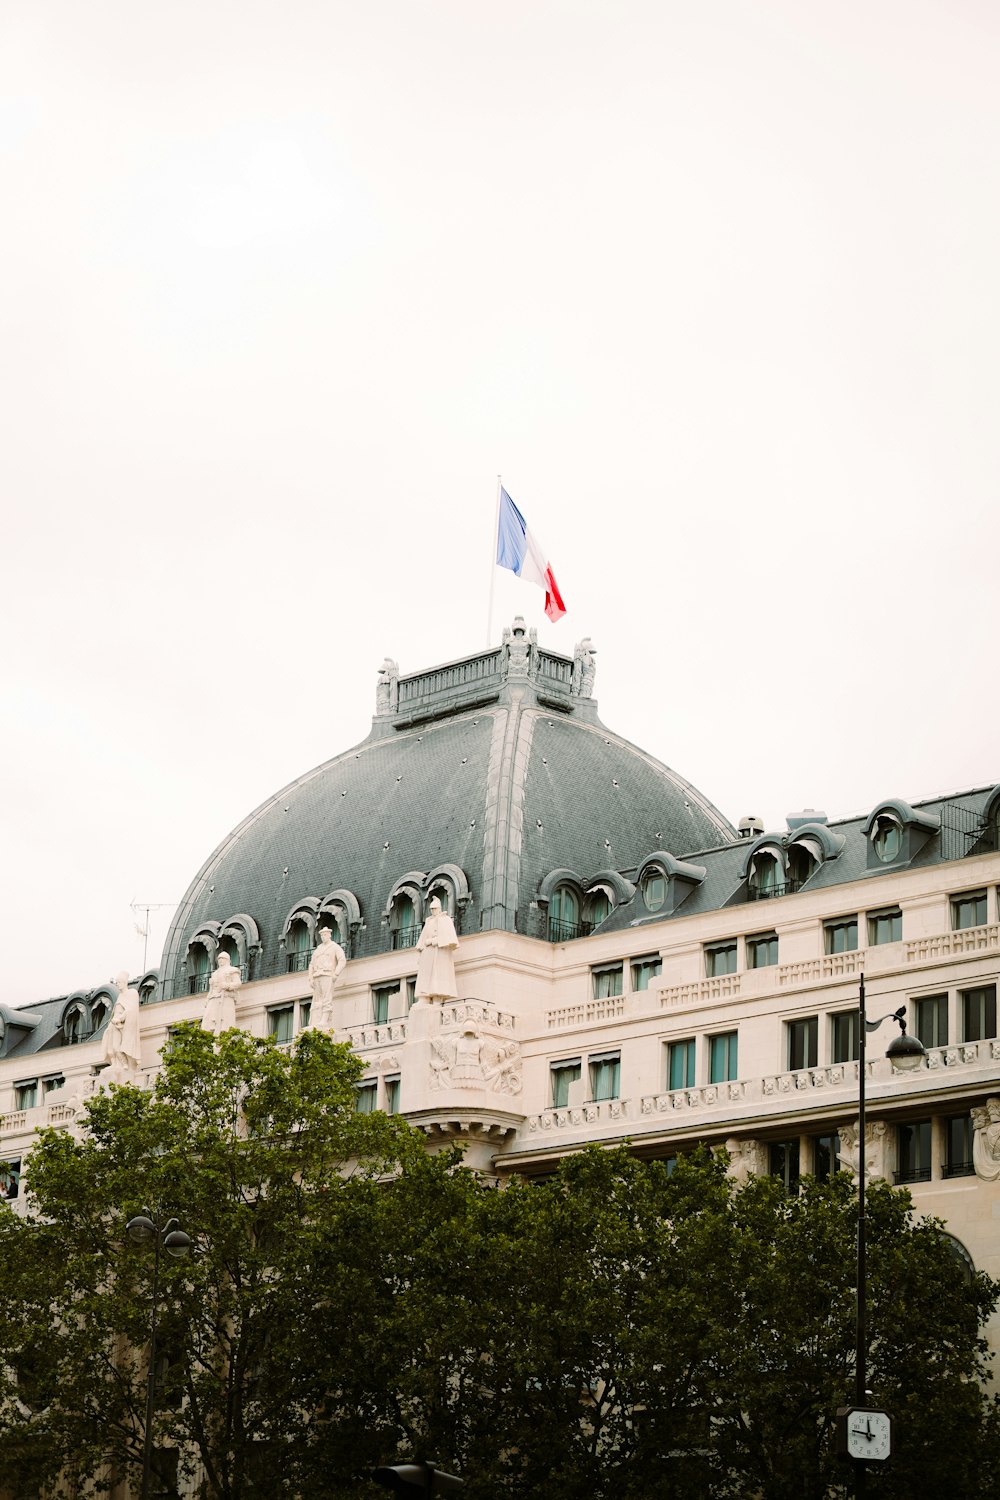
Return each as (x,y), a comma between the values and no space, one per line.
(654,889)
(803,857)
(75,1024)
(199,969)
(298,946)
(403,921)
(98,1014)
(767,876)
(887,838)
(598,907)
(564,915)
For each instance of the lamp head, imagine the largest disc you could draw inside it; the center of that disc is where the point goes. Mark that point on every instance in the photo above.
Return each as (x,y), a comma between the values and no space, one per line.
(906,1053)
(141,1229)
(177,1243)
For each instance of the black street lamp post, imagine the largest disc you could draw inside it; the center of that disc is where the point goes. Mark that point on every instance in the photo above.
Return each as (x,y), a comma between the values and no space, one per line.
(905,1053)
(143,1231)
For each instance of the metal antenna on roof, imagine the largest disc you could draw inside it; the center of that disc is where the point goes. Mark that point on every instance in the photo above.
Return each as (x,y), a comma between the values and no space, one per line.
(143,928)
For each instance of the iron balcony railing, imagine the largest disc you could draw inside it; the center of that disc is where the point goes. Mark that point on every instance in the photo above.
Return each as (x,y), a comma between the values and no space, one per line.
(565,932)
(764,893)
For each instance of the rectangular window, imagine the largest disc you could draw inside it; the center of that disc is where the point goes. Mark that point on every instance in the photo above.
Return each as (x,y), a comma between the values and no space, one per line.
(885,926)
(50,1084)
(605,1072)
(913,1144)
(645,969)
(607,981)
(762,950)
(958,1146)
(26,1094)
(803,1043)
(979,1013)
(381,996)
(10,1178)
(783,1163)
(841,936)
(720,958)
(411,990)
(930,1016)
(392,1095)
(563,1073)
(846,1031)
(366,1097)
(305,1012)
(281,1023)
(968,910)
(826,1156)
(680,1064)
(722,1058)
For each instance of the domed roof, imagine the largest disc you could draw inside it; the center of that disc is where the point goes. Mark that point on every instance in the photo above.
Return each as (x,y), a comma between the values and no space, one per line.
(484,774)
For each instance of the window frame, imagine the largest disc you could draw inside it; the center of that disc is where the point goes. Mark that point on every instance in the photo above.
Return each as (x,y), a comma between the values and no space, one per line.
(976,899)
(806,1030)
(955,1164)
(600,973)
(364,1090)
(988,1005)
(729,1071)
(688,1059)
(915,1149)
(729,950)
(275,1015)
(601,1065)
(647,965)
(754,942)
(834,926)
(563,1070)
(22,1089)
(921,1013)
(891,914)
(841,1021)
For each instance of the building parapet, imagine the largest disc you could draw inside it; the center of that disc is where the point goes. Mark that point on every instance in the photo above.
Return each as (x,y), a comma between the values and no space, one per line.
(944,944)
(580,1114)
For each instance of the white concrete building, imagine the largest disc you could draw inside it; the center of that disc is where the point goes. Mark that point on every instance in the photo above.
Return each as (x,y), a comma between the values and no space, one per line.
(630,965)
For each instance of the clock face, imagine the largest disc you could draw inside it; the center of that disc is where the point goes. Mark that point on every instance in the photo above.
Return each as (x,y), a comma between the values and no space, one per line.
(869,1434)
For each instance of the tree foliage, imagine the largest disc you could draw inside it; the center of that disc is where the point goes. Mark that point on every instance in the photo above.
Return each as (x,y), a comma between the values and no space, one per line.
(620,1330)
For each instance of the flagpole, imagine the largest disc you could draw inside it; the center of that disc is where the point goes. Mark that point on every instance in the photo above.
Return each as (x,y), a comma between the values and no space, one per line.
(493,566)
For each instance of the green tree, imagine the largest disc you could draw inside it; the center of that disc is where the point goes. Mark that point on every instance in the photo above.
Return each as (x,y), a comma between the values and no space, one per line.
(263,1158)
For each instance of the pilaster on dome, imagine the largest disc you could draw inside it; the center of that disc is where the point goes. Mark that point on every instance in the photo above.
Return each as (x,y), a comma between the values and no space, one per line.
(518,664)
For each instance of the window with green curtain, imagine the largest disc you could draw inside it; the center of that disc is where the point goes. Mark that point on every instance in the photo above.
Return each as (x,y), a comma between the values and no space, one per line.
(26,1094)
(598,907)
(607,981)
(392,1096)
(563,1074)
(762,950)
(281,1023)
(722,1057)
(968,910)
(841,936)
(381,996)
(404,922)
(564,914)
(720,958)
(365,1097)
(885,926)
(305,1013)
(604,1075)
(645,969)
(680,1064)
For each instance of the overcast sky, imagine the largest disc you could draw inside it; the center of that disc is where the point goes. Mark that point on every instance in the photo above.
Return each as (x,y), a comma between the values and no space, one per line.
(286,283)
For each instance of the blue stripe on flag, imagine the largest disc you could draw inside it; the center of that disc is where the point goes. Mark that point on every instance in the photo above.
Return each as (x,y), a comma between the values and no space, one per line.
(511,535)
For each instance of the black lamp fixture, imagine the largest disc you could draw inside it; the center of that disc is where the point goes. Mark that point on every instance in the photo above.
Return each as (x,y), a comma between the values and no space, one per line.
(143,1230)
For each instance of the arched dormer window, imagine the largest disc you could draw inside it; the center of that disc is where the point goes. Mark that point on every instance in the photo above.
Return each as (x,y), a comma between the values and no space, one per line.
(404,926)
(664,882)
(896,832)
(766,875)
(887,838)
(564,915)
(298,945)
(449,884)
(240,938)
(598,906)
(99,1011)
(76,1022)
(404,910)
(653,887)
(199,968)
(341,912)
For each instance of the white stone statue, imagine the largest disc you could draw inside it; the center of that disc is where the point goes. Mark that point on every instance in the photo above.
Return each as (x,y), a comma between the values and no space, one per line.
(436,965)
(220,1010)
(387,687)
(325,968)
(584,668)
(746,1159)
(876,1148)
(121,1036)
(986,1141)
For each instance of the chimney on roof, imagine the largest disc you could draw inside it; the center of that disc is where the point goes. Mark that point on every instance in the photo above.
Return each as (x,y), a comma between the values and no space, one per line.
(749,827)
(807,815)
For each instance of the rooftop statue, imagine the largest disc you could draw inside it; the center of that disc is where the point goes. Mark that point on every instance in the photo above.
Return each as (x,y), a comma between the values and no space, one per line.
(325,968)
(584,668)
(220,1010)
(121,1037)
(387,687)
(436,966)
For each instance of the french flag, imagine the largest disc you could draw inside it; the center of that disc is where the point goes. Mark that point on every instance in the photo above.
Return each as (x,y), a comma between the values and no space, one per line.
(518,550)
